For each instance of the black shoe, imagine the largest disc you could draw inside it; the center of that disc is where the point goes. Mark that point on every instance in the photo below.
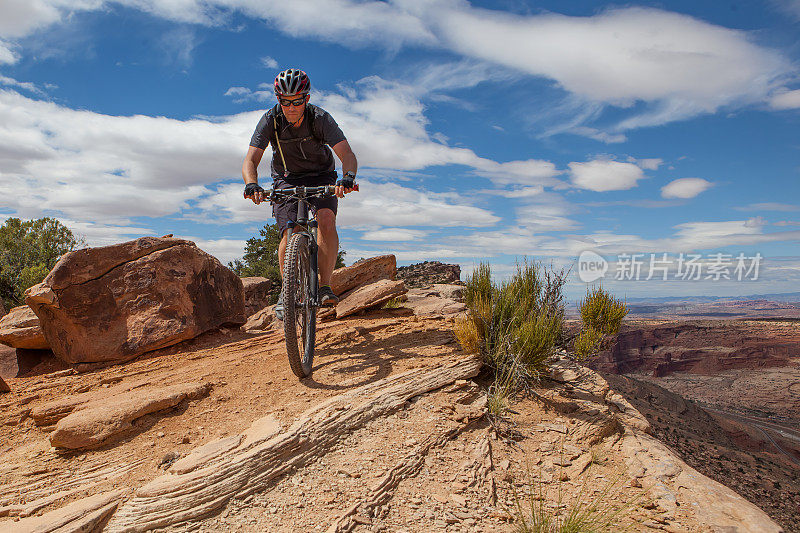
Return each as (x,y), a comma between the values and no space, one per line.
(326,297)
(279,307)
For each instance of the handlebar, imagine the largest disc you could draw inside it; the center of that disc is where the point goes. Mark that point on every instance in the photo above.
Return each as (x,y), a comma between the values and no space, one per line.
(321,191)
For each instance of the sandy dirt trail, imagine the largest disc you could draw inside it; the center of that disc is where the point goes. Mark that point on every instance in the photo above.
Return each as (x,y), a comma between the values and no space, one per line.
(427,462)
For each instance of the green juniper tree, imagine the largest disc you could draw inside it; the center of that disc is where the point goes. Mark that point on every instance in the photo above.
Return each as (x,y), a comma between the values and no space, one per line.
(28,251)
(261,256)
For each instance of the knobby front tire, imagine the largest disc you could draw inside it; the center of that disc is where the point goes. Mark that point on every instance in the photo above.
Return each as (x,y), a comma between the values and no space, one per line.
(300,313)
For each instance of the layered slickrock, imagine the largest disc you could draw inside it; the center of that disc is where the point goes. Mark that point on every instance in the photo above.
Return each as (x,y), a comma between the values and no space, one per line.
(93,424)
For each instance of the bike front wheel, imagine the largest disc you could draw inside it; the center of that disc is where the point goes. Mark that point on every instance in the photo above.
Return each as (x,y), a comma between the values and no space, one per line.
(300,313)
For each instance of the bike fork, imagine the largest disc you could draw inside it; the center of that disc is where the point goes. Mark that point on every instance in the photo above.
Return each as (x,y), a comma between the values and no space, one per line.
(312,261)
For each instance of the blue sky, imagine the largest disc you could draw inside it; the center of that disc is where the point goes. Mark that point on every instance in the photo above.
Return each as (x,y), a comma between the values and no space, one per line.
(485,131)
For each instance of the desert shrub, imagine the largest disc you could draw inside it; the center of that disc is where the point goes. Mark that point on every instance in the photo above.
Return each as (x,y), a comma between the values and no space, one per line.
(601,311)
(588,343)
(601,315)
(514,325)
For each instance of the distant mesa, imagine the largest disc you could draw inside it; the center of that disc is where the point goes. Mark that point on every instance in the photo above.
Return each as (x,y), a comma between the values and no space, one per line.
(696,346)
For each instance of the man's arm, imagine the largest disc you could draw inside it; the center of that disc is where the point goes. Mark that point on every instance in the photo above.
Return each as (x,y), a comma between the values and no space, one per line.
(349,163)
(250,170)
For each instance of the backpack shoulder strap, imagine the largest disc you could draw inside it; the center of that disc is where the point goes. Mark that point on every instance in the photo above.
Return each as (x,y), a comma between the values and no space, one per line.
(277,139)
(311,116)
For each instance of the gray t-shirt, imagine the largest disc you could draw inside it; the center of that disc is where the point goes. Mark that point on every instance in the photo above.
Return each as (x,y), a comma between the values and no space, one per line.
(306,154)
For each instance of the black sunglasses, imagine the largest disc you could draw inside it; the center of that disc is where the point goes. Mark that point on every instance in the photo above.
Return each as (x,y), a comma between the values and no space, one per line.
(297,102)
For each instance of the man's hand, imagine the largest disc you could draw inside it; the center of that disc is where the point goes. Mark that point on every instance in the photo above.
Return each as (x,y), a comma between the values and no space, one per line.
(255,193)
(345,184)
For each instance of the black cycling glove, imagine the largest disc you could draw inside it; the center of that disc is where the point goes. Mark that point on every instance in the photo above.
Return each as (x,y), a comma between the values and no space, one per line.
(348,181)
(251,188)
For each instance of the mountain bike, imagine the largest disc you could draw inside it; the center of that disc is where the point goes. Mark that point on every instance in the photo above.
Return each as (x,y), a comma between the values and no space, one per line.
(300,278)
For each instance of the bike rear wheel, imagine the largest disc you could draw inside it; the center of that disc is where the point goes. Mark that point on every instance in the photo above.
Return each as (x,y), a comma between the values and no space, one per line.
(300,313)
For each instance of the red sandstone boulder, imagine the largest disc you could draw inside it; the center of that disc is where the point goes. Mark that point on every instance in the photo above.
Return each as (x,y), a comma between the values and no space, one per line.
(257,292)
(260,320)
(20,329)
(116,302)
(9,367)
(368,296)
(4,386)
(363,272)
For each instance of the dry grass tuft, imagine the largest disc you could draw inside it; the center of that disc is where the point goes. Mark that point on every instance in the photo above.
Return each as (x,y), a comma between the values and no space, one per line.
(598,513)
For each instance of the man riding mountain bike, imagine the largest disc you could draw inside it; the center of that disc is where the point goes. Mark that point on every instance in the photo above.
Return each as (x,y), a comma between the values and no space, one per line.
(301,134)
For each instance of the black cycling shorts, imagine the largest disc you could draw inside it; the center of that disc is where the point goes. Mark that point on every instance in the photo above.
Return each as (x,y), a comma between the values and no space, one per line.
(285,211)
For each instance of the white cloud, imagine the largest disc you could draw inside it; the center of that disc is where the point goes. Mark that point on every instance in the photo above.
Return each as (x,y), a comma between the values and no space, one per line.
(768,206)
(243,94)
(225,250)
(715,235)
(385,124)
(516,192)
(542,218)
(25,85)
(269,62)
(598,135)
(376,204)
(394,235)
(603,175)
(532,172)
(685,188)
(389,204)
(7,57)
(792,7)
(682,65)
(755,222)
(688,237)
(786,100)
(98,234)
(679,65)
(237,91)
(21,17)
(114,168)
(177,46)
(89,166)
(647,164)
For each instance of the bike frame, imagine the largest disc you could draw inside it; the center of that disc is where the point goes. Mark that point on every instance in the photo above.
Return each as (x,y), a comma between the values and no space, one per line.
(310,228)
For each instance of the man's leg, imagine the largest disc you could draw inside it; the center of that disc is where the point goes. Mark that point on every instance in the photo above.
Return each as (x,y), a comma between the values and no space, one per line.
(282,248)
(328,240)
